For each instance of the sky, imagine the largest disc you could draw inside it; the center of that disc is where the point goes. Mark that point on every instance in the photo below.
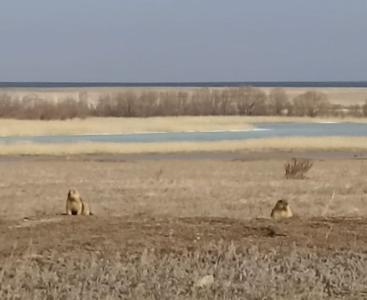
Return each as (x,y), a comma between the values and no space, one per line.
(183,40)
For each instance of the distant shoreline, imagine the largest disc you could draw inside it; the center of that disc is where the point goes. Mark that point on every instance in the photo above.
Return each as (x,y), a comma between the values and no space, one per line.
(285,84)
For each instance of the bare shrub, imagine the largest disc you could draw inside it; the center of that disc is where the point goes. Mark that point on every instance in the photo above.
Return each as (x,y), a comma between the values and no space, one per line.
(364,108)
(105,107)
(8,106)
(296,168)
(310,104)
(168,103)
(201,102)
(250,101)
(246,101)
(278,102)
(33,107)
(71,108)
(227,105)
(356,110)
(183,99)
(339,110)
(123,104)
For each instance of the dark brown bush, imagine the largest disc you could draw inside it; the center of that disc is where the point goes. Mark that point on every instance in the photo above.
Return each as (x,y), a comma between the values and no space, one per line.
(296,168)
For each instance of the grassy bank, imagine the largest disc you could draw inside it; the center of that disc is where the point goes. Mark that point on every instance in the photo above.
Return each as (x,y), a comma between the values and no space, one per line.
(294,143)
(13,127)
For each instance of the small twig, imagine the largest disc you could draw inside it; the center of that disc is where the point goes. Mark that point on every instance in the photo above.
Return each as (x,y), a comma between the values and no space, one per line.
(326,209)
(328,232)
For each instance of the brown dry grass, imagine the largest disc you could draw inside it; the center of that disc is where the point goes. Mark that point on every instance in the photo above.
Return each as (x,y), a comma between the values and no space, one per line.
(13,127)
(238,273)
(268,144)
(180,188)
(161,226)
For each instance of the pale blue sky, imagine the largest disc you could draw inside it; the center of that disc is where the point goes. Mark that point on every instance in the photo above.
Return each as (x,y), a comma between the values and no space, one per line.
(183,40)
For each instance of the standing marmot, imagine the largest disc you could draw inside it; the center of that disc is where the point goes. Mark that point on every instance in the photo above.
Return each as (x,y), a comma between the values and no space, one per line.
(281,210)
(75,205)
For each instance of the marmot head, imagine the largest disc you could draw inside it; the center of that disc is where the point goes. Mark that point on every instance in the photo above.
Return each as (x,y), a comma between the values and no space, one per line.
(281,204)
(73,194)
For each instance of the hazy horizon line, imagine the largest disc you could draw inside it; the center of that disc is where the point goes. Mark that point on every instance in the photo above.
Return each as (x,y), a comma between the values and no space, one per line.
(306,83)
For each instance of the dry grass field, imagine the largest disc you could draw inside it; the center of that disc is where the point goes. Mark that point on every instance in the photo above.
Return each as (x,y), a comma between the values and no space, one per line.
(13,127)
(183,228)
(264,145)
(233,189)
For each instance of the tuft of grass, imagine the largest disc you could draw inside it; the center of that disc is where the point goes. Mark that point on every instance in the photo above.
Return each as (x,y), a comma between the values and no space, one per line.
(297,168)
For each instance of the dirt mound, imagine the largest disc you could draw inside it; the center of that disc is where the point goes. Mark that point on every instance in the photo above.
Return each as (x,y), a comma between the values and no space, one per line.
(134,234)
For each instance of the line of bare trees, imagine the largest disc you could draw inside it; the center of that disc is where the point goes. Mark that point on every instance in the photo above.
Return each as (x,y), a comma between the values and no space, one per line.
(246,101)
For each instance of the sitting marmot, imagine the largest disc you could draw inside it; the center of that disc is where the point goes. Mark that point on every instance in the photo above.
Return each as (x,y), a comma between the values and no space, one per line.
(281,210)
(75,205)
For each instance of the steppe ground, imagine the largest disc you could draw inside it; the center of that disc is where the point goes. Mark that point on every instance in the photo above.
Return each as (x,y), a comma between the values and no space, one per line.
(183,226)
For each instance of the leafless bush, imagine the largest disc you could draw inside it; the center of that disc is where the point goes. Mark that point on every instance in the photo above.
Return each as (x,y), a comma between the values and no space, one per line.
(8,106)
(250,101)
(278,102)
(169,103)
(296,168)
(244,101)
(310,104)
(364,108)
(356,110)
(32,107)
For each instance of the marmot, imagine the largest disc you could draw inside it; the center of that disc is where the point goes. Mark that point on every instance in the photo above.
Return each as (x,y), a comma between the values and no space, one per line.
(75,205)
(281,210)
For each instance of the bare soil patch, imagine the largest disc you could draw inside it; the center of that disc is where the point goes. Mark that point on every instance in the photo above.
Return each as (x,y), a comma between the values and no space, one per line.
(135,233)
